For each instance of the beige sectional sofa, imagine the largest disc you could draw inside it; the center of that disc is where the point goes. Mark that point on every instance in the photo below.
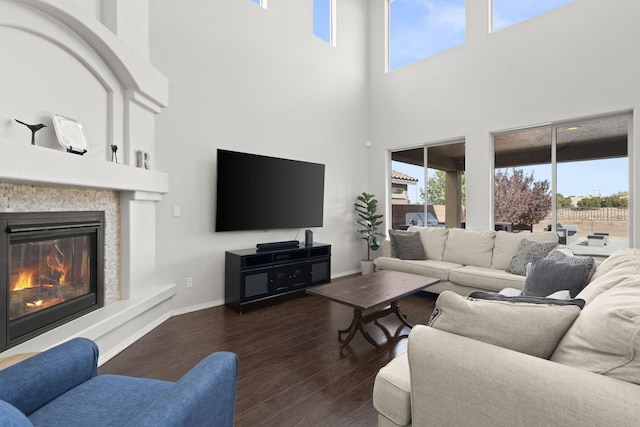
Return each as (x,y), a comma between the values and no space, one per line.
(464,261)
(590,378)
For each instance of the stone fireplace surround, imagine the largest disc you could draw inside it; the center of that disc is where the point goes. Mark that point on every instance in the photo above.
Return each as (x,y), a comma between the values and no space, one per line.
(117,97)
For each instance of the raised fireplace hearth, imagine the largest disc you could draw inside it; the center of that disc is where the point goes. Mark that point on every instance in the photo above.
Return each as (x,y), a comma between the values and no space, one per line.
(51,271)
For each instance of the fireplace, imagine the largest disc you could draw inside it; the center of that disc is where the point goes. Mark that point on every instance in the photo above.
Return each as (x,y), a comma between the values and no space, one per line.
(51,271)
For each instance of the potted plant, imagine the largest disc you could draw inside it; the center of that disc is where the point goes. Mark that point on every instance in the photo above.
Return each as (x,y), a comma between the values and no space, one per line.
(366,207)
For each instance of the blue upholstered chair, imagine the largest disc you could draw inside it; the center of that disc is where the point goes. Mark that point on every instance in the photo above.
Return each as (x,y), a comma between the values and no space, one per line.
(60,387)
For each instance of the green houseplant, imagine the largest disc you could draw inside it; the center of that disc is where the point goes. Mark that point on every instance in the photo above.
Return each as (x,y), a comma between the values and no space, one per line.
(369,220)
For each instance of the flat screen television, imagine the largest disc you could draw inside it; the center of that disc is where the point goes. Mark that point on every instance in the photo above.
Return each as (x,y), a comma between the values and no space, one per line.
(257,192)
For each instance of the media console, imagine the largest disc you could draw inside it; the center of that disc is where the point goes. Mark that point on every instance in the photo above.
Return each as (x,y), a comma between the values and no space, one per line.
(255,276)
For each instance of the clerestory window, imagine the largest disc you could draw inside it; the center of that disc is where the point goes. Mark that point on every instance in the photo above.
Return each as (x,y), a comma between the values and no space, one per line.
(509,12)
(261,3)
(324,20)
(418,29)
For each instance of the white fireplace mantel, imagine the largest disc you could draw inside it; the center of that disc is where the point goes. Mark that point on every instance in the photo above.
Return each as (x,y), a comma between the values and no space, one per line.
(25,163)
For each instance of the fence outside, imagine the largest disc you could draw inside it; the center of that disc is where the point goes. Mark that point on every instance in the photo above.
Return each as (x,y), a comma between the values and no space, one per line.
(597,214)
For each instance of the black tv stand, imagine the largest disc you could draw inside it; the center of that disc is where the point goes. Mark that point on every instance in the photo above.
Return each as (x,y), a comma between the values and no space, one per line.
(255,277)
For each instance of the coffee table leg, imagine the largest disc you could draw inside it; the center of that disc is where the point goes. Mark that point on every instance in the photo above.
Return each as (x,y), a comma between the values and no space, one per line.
(356,324)
(402,317)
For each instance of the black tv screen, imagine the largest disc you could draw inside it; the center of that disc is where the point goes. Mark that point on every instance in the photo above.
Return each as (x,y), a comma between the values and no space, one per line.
(261,193)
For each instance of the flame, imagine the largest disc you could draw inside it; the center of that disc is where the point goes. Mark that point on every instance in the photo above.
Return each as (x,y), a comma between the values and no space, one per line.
(25,281)
(44,304)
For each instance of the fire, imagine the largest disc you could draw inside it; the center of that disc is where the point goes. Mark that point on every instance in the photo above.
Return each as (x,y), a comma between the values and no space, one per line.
(44,304)
(25,281)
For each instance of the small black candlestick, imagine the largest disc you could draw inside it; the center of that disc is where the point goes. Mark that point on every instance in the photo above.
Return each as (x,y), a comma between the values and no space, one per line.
(114,155)
(33,128)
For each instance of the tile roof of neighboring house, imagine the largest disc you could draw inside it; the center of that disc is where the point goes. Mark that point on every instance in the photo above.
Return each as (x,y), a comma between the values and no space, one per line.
(402,177)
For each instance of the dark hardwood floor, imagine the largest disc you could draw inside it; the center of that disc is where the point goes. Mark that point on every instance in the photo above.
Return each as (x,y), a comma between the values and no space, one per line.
(291,372)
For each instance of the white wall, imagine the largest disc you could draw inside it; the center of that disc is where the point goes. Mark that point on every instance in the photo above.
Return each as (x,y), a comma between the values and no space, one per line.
(576,61)
(254,80)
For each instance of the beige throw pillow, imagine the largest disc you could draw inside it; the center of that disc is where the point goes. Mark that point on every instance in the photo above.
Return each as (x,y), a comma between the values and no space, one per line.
(533,329)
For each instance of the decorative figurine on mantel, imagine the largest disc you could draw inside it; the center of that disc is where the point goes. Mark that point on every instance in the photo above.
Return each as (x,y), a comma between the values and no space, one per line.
(114,153)
(33,129)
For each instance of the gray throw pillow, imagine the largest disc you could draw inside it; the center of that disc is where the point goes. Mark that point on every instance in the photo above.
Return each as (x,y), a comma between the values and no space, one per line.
(408,246)
(590,262)
(525,252)
(547,276)
(392,232)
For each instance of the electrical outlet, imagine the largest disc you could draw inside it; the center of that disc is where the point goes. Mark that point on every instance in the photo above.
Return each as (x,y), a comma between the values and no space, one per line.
(177,211)
(189,282)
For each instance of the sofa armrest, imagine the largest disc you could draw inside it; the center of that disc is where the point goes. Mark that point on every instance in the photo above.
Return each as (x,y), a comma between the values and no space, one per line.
(460,381)
(205,395)
(38,380)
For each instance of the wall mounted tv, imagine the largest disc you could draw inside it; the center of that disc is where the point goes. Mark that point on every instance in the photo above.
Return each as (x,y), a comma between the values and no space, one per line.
(262,193)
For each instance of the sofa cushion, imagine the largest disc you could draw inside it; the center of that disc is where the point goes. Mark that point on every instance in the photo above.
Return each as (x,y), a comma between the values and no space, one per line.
(606,337)
(547,276)
(392,391)
(534,329)
(525,252)
(430,268)
(628,259)
(506,245)
(485,278)
(469,247)
(407,245)
(106,400)
(433,240)
(589,261)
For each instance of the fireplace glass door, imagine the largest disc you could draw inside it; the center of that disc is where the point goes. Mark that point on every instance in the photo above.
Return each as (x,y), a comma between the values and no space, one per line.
(51,271)
(48,272)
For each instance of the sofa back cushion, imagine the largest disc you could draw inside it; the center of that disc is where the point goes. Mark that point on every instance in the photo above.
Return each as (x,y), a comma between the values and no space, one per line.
(628,259)
(605,338)
(433,240)
(469,247)
(506,245)
(526,327)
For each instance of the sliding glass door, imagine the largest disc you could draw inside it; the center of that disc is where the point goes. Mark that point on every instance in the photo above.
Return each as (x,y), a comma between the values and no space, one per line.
(571,178)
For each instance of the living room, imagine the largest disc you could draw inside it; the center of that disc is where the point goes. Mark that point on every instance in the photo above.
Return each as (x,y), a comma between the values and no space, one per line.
(233,75)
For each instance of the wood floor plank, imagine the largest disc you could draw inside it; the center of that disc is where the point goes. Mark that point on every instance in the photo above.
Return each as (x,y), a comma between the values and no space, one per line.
(291,369)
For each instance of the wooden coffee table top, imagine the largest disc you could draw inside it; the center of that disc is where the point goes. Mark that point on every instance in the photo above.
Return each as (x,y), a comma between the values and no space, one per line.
(373,290)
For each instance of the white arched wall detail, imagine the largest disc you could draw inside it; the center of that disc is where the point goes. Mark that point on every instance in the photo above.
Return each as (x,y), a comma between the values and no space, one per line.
(60,59)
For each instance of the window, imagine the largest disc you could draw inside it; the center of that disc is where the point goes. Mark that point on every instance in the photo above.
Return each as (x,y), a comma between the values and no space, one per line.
(262,3)
(509,12)
(324,20)
(572,178)
(434,199)
(420,28)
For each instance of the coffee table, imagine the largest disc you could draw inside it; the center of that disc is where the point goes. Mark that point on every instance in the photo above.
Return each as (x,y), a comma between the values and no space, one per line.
(372,296)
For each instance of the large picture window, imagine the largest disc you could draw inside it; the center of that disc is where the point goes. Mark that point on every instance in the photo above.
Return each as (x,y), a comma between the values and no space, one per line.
(571,178)
(418,29)
(431,196)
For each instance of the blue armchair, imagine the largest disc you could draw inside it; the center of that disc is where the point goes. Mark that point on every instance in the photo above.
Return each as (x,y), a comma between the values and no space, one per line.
(60,387)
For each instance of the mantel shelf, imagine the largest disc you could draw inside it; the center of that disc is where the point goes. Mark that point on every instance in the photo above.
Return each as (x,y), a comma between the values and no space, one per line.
(39,165)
